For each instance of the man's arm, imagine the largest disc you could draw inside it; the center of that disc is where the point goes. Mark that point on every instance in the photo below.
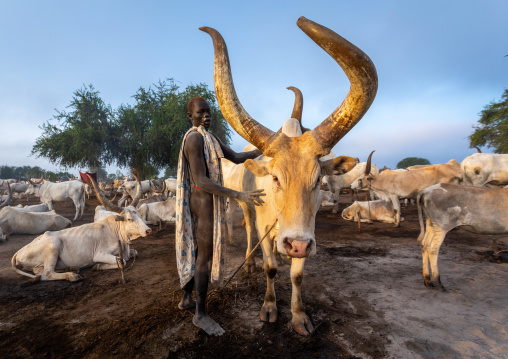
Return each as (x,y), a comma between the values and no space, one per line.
(234,156)
(193,151)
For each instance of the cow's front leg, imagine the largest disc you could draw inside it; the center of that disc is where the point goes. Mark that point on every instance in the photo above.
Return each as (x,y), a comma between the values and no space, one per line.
(51,253)
(300,321)
(269,311)
(336,201)
(250,263)
(105,261)
(396,210)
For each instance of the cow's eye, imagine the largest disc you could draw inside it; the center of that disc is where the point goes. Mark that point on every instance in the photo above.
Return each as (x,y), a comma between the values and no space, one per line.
(276,180)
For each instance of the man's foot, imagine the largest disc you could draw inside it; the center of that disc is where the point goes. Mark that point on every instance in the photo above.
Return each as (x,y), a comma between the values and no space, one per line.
(187,303)
(210,326)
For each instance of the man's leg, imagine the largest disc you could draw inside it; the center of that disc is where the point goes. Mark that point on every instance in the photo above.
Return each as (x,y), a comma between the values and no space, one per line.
(187,302)
(203,213)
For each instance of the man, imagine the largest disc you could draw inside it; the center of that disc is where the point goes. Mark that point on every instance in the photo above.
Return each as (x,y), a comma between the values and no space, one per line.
(200,221)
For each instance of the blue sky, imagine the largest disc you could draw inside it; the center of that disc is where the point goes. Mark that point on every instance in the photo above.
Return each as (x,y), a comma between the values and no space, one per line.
(439,63)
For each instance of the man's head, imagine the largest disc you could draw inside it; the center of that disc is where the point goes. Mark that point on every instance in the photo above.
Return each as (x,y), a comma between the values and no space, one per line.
(199,112)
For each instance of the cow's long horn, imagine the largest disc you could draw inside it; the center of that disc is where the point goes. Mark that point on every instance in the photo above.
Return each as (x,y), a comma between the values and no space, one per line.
(298,106)
(32,182)
(361,73)
(9,197)
(163,187)
(369,164)
(102,198)
(137,197)
(229,104)
(478,149)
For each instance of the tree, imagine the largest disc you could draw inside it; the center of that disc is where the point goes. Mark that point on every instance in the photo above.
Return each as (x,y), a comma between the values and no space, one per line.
(146,135)
(412,161)
(82,137)
(492,128)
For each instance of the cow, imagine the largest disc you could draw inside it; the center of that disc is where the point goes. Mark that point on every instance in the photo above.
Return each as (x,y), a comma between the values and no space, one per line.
(158,212)
(43,207)
(485,170)
(130,187)
(170,187)
(13,221)
(369,211)
(50,192)
(394,186)
(291,168)
(326,198)
(447,206)
(93,244)
(336,183)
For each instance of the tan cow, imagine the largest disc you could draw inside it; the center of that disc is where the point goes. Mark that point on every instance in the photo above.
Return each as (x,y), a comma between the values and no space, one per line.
(446,206)
(369,211)
(393,186)
(293,170)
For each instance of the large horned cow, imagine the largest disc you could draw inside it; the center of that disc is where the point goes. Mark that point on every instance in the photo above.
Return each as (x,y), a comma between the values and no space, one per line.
(50,192)
(294,169)
(93,244)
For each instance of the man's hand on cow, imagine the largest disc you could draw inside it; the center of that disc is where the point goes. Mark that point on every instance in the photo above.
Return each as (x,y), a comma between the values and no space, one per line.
(252,197)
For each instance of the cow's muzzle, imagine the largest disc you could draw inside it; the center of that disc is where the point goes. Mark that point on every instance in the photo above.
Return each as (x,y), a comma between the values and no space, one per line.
(297,248)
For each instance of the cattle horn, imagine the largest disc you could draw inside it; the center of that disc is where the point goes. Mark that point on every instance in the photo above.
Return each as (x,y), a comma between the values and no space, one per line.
(228,101)
(298,106)
(102,198)
(32,182)
(361,73)
(137,197)
(478,149)
(163,187)
(9,197)
(369,164)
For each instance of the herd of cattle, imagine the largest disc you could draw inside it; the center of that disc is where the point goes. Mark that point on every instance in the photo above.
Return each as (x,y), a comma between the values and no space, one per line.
(294,170)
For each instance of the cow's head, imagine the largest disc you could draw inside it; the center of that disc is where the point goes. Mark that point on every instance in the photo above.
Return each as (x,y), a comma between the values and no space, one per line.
(295,166)
(34,187)
(363,182)
(131,225)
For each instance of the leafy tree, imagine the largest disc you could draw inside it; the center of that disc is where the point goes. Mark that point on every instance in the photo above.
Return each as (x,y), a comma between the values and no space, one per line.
(146,135)
(492,128)
(83,137)
(412,161)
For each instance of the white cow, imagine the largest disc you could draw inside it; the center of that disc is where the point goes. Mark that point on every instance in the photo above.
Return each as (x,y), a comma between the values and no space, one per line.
(336,183)
(485,170)
(447,206)
(158,212)
(129,189)
(43,207)
(93,244)
(369,211)
(50,192)
(170,187)
(13,221)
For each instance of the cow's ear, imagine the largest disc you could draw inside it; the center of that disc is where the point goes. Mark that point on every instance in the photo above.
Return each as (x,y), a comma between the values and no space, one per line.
(341,164)
(259,168)
(119,218)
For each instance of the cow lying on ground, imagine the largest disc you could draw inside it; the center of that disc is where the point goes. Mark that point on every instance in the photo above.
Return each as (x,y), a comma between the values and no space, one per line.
(94,244)
(13,221)
(43,207)
(158,212)
(369,211)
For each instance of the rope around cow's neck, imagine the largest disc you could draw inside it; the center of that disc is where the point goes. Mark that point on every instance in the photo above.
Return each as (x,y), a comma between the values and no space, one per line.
(245,260)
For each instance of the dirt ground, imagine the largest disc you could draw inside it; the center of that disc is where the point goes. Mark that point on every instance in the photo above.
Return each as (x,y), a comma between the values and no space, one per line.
(363,292)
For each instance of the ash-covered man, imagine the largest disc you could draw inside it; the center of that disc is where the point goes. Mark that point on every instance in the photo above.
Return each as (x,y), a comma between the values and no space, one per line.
(200,212)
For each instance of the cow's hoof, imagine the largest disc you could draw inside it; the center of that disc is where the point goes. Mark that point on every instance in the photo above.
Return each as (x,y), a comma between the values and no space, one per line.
(302,325)
(250,265)
(269,313)
(428,284)
(334,211)
(75,277)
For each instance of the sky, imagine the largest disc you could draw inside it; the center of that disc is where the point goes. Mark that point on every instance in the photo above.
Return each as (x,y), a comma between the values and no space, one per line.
(439,64)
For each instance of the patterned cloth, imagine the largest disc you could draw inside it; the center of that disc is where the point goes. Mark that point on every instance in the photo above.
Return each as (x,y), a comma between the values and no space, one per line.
(186,242)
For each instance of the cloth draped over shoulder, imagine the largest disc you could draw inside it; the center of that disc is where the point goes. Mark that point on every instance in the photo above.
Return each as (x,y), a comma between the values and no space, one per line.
(186,243)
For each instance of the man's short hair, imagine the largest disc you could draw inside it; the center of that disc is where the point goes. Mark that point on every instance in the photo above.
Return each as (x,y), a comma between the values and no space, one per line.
(191,102)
